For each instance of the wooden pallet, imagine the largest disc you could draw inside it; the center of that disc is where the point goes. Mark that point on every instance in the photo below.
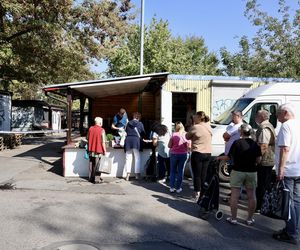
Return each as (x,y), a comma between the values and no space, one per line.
(10,141)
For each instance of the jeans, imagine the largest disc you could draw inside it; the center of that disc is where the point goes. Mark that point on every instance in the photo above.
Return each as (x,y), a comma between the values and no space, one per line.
(292,226)
(163,167)
(200,164)
(177,163)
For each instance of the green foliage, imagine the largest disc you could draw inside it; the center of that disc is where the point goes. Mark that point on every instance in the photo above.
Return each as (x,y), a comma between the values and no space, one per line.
(109,137)
(54,41)
(162,53)
(275,49)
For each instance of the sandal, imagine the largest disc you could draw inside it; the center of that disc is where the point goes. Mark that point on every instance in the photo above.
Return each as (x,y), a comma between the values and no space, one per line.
(231,221)
(250,222)
(283,236)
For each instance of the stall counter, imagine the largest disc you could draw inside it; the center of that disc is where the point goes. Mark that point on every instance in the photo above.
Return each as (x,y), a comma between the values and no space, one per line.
(75,165)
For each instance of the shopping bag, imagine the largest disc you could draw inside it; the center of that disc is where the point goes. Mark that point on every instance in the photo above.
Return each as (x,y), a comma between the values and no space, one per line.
(104,165)
(86,153)
(276,202)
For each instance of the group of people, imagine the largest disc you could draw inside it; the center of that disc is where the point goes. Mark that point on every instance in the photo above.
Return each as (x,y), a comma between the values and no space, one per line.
(174,150)
(252,158)
(134,130)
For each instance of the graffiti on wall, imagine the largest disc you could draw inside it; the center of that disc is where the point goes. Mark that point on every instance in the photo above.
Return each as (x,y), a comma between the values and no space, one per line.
(5,112)
(220,106)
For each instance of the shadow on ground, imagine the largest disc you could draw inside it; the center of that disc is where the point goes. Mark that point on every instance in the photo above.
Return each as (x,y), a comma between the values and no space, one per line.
(49,152)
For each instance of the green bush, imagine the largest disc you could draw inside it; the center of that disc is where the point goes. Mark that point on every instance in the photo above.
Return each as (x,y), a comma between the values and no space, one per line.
(109,137)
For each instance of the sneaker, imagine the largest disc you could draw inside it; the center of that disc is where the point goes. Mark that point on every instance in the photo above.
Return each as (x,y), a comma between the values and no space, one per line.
(231,221)
(250,222)
(162,180)
(283,236)
(178,190)
(197,197)
(172,190)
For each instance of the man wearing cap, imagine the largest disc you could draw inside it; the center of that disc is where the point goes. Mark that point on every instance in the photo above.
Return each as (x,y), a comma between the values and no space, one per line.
(246,154)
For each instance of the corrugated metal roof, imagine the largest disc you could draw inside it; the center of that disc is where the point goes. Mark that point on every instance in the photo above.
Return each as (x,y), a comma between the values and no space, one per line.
(234,78)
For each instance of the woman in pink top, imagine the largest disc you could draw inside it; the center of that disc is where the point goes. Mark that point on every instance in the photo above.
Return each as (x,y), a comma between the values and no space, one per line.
(200,134)
(179,147)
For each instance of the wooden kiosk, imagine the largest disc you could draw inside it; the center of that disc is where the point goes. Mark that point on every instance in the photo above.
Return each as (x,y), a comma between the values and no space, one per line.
(105,97)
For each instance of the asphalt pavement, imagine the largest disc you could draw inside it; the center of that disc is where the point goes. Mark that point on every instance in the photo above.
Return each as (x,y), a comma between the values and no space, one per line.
(42,210)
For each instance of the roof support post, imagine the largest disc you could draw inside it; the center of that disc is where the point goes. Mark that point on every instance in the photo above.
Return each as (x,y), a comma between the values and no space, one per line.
(69,116)
(90,114)
(82,103)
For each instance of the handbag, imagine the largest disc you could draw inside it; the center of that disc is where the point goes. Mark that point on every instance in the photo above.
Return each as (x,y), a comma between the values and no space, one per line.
(276,202)
(104,165)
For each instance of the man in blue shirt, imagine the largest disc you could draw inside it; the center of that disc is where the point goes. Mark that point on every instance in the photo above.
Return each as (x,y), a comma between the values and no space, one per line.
(118,125)
(120,120)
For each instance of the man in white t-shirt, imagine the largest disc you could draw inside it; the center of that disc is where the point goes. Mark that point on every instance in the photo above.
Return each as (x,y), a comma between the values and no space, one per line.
(287,156)
(232,134)
(232,131)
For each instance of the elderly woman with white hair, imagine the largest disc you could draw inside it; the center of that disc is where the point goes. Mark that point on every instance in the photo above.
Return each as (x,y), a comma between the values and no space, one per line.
(245,154)
(96,147)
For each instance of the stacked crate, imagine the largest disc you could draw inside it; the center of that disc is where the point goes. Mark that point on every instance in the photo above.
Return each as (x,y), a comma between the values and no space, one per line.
(16,140)
(1,143)
(10,141)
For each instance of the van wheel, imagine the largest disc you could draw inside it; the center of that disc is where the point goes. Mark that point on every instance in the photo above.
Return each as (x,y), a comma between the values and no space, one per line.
(223,171)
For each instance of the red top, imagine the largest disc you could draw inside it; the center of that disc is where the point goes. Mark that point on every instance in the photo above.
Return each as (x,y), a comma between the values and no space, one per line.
(95,139)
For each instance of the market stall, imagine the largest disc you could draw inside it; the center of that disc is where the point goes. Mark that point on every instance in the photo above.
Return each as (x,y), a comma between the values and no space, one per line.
(105,97)
(76,165)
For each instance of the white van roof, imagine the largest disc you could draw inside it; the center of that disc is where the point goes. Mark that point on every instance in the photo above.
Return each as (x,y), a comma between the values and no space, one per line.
(278,88)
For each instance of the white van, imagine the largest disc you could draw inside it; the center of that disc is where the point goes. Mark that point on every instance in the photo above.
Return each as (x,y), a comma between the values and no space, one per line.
(267,97)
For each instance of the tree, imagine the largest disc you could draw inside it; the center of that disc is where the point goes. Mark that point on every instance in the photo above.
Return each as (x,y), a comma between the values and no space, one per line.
(274,50)
(162,53)
(54,41)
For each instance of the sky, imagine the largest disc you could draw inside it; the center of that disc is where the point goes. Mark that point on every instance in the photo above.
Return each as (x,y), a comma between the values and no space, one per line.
(221,23)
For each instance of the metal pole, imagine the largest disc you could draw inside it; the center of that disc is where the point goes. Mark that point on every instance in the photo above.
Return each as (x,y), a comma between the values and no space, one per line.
(142,39)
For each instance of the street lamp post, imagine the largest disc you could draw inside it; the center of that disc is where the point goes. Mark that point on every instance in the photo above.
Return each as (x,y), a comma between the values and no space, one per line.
(142,39)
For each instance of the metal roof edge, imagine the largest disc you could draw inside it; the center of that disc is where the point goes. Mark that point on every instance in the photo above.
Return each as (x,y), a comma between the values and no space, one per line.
(66,85)
(228,78)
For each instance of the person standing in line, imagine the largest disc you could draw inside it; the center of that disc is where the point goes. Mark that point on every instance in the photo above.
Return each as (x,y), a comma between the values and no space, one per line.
(160,139)
(245,154)
(232,134)
(135,133)
(232,131)
(287,158)
(200,135)
(96,147)
(179,147)
(265,137)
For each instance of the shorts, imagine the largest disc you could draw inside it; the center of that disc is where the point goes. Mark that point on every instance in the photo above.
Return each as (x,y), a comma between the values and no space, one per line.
(239,179)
